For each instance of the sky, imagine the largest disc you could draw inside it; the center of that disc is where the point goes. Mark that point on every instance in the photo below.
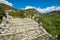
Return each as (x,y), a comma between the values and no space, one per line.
(36,3)
(40,5)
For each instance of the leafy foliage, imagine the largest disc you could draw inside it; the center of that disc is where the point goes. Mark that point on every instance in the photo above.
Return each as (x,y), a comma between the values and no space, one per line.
(1,14)
(6,7)
(51,23)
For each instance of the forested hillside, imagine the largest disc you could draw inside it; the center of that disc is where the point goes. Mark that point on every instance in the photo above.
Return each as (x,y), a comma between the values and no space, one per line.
(51,22)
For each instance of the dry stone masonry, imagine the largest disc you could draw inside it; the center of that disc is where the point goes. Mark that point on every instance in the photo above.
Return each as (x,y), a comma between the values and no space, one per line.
(21,29)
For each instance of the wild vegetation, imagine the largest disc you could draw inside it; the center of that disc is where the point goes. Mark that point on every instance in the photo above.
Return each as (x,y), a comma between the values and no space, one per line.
(2,13)
(6,7)
(51,22)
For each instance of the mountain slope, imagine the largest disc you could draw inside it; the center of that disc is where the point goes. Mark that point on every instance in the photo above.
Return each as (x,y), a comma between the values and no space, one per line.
(51,21)
(6,7)
(3,8)
(18,13)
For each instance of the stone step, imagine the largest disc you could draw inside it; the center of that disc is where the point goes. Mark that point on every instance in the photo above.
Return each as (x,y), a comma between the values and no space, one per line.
(5,27)
(5,34)
(26,27)
(25,33)
(6,31)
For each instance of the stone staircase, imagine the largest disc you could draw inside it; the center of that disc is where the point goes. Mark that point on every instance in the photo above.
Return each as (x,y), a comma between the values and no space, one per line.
(20,29)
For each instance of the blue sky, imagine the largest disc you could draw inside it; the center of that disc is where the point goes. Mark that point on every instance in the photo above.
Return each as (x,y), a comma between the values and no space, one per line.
(42,6)
(36,3)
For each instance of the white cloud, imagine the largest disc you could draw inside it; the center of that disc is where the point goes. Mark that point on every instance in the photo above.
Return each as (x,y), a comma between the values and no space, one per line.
(29,7)
(44,10)
(6,2)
